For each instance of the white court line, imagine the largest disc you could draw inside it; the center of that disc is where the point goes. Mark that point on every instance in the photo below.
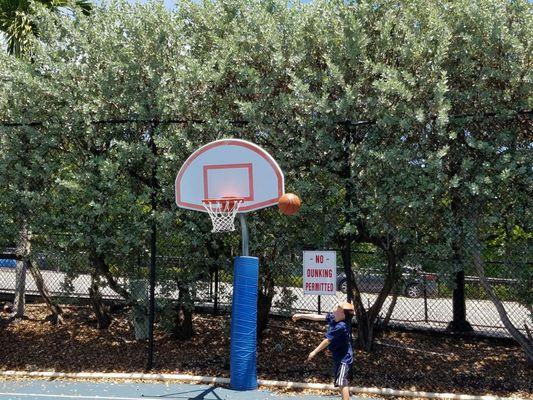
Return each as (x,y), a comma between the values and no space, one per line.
(262,382)
(66,396)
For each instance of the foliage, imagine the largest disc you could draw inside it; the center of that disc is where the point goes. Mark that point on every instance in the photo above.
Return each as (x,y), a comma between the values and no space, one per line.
(18,25)
(383,115)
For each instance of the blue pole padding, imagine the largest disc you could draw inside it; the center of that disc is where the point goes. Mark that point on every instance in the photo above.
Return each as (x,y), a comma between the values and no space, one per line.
(243,349)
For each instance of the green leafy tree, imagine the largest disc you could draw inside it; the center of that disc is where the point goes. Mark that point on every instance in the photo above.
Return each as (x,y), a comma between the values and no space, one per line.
(30,158)
(18,25)
(366,63)
(487,150)
(357,101)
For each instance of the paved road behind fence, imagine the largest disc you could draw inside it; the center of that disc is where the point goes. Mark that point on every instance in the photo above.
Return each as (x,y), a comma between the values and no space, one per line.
(422,312)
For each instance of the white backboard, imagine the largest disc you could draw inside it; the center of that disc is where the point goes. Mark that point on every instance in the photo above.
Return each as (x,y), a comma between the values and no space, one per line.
(230,168)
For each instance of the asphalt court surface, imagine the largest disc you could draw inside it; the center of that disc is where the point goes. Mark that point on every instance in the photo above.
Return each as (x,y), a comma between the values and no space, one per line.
(83,390)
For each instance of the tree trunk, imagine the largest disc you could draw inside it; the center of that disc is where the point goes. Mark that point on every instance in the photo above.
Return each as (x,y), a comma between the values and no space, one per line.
(392,305)
(366,320)
(183,327)
(103,269)
(365,329)
(101,311)
(525,342)
(139,292)
(23,254)
(364,333)
(264,300)
(57,313)
(20,290)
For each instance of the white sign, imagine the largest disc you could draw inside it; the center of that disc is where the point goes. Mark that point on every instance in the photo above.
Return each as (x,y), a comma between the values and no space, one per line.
(320,272)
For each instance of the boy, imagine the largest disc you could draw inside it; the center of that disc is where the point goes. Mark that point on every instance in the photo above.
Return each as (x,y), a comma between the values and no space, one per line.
(338,340)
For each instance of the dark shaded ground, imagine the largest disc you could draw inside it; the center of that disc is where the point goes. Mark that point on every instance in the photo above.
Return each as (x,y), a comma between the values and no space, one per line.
(415,361)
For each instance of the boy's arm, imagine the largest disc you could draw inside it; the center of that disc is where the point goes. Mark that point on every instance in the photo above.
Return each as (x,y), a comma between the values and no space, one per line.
(318,349)
(310,317)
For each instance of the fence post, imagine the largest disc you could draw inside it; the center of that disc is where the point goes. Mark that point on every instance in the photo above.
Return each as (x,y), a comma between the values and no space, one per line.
(425,303)
(210,291)
(215,305)
(153,249)
(459,322)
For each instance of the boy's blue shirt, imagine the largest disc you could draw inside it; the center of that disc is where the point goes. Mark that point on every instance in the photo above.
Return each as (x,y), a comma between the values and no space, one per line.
(340,336)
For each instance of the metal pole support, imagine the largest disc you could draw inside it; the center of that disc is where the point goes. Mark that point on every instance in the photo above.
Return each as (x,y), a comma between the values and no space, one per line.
(244,235)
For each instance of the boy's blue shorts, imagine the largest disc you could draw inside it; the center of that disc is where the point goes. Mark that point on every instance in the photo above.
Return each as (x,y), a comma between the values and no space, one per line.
(342,374)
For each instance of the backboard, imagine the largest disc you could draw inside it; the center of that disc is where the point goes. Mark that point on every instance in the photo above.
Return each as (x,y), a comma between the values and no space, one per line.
(230,168)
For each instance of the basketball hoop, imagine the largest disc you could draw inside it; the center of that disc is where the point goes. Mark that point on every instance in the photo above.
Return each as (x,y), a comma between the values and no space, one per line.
(222,212)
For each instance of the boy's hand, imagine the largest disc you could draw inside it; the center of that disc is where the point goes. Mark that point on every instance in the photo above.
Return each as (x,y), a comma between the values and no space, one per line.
(311,355)
(296,317)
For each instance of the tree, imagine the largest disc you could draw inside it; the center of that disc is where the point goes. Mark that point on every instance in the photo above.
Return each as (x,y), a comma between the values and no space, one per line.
(29,160)
(367,63)
(488,148)
(18,25)
(362,103)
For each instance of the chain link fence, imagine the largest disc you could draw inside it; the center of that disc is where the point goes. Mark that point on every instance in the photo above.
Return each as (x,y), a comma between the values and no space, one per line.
(423,298)
(452,271)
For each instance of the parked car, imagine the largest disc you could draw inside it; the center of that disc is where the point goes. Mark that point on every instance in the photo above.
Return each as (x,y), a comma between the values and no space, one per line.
(8,259)
(7,263)
(413,282)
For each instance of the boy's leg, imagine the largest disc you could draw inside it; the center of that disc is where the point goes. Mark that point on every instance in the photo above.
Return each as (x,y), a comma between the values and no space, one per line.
(345,392)
(343,372)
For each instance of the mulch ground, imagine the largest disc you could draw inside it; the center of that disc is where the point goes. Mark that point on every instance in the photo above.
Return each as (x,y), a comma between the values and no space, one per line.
(400,360)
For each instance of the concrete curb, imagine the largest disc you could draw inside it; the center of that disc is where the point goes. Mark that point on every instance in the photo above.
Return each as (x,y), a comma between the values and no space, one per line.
(261,382)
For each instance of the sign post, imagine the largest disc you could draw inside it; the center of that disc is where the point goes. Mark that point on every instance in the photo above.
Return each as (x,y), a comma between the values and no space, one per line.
(320,273)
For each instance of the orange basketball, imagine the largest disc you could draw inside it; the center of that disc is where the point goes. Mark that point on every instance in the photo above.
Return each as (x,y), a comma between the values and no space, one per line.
(289,204)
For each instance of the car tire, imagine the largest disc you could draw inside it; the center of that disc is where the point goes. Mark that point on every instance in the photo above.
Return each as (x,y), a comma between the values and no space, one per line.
(343,286)
(413,291)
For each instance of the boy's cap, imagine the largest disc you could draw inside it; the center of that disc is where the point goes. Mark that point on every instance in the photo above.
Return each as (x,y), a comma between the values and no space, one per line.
(347,306)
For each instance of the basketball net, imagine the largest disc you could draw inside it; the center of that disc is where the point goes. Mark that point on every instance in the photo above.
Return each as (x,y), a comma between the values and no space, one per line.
(222,212)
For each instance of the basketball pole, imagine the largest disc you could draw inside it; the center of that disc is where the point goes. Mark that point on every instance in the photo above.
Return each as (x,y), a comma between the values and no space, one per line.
(244,235)
(217,168)
(243,337)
